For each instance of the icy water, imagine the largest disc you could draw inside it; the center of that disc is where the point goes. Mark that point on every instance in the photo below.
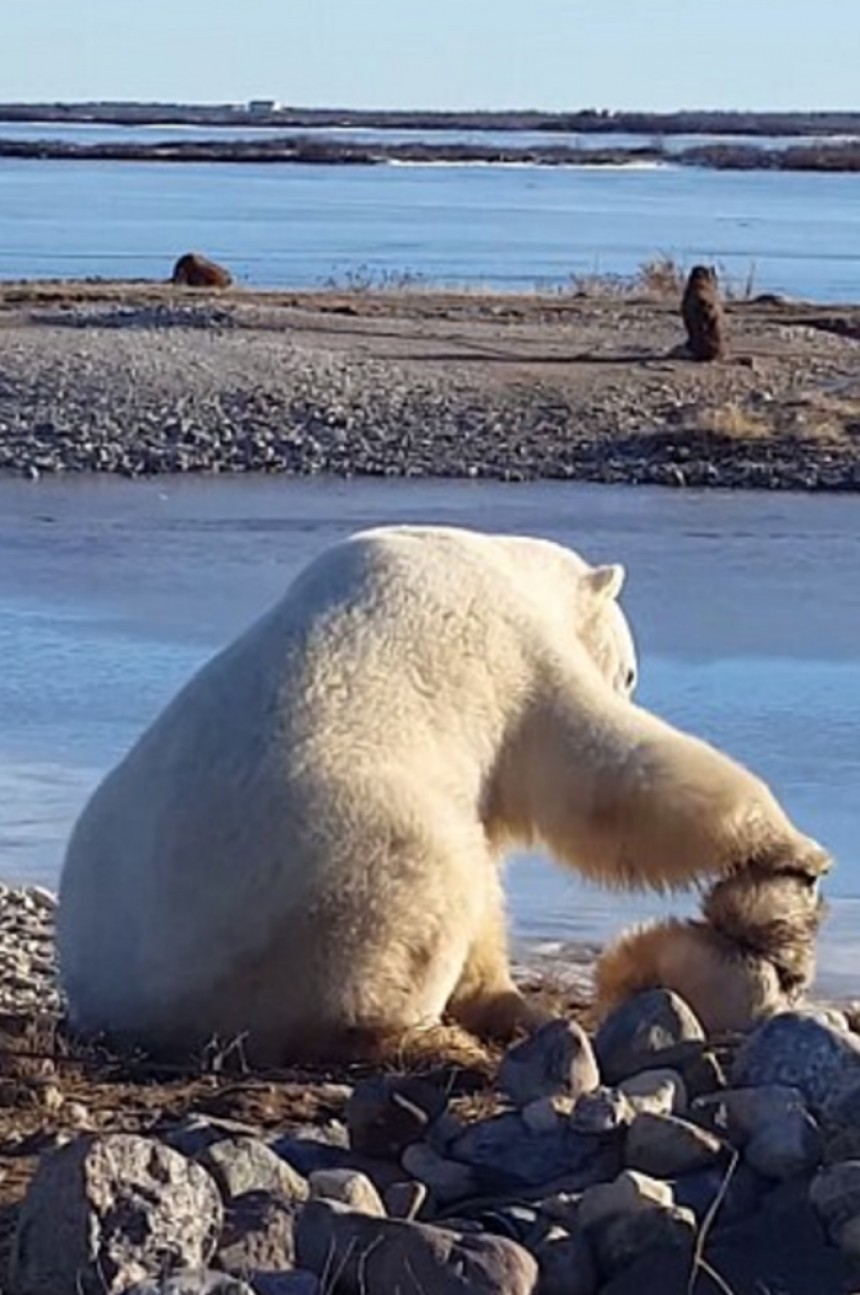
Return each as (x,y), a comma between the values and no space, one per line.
(746,608)
(502,227)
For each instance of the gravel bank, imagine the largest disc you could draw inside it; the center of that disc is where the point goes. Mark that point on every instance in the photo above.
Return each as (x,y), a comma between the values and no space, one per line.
(141,381)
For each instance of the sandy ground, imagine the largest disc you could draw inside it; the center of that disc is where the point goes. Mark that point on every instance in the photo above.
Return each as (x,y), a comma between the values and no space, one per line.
(138,378)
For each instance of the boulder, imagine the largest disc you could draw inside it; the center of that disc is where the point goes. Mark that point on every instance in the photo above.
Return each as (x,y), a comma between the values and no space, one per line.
(635,1035)
(193,1282)
(243,1164)
(567,1266)
(363,1256)
(448,1180)
(405,1200)
(506,1154)
(797,1050)
(665,1146)
(103,1213)
(386,1113)
(629,1193)
(621,1239)
(556,1061)
(835,1197)
(258,1235)
(348,1186)
(658,1092)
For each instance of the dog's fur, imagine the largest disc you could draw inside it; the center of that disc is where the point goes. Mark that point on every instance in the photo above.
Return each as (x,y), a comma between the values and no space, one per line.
(195,271)
(751,956)
(703,315)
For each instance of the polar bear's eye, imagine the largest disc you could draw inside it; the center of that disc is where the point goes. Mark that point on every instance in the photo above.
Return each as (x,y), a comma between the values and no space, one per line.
(630,679)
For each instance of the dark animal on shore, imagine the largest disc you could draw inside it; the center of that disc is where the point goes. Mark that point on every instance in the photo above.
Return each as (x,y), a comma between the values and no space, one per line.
(194,271)
(703,316)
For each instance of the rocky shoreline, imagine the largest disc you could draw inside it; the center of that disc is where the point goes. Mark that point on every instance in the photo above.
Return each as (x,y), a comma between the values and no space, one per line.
(637,1157)
(832,158)
(590,385)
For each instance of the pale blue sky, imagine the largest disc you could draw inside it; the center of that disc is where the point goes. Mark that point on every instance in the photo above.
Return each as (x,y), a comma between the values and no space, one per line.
(552,54)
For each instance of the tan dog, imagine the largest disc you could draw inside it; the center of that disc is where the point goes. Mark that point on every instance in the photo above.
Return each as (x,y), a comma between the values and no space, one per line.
(751,956)
(703,315)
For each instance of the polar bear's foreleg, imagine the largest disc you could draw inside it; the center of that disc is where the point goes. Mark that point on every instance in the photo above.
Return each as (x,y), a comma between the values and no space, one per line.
(486,1001)
(632,802)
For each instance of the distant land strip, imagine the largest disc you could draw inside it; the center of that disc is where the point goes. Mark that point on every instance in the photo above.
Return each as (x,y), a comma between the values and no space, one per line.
(816,156)
(267,113)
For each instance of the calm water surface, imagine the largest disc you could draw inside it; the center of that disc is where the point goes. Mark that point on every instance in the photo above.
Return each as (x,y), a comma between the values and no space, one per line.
(102,133)
(746,607)
(502,227)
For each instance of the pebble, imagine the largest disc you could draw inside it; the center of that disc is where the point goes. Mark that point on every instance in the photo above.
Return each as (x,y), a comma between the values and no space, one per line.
(175,386)
(28,972)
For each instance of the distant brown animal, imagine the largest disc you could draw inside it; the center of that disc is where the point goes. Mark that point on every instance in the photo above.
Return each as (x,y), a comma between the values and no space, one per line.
(196,272)
(703,316)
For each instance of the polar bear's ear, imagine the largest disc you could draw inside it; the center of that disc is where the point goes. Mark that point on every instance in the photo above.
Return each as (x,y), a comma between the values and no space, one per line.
(605,582)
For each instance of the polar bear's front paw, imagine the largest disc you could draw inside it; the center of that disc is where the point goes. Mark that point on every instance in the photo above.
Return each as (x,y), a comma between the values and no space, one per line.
(501,1016)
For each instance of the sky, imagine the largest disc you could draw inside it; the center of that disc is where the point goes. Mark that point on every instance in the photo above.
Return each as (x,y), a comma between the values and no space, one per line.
(550,54)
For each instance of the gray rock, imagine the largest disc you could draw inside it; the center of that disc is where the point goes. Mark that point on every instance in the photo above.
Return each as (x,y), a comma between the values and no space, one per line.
(658,1092)
(203,1281)
(448,1180)
(623,1238)
(795,1050)
(603,1113)
(105,1212)
(386,1113)
(736,1114)
(698,1066)
(639,1032)
(542,1116)
(297,1282)
(241,1164)
(780,1250)
(661,1272)
(665,1146)
(384,1256)
(405,1200)
(787,1148)
(835,1197)
(562,1209)
(197,1132)
(348,1186)
(258,1235)
(739,1197)
(840,1125)
(629,1193)
(567,1266)
(506,1154)
(556,1061)
(305,1153)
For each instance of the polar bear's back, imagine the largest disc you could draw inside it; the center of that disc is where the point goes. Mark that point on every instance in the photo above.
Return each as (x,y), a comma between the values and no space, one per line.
(388,670)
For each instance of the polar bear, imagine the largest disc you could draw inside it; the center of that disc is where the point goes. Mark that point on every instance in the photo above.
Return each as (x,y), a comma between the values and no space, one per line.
(303,849)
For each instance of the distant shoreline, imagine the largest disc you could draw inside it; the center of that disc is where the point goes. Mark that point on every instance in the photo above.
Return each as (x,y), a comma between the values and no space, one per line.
(584,121)
(305,150)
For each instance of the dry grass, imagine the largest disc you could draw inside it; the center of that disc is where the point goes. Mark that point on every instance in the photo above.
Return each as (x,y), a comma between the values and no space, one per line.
(735,422)
(661,278)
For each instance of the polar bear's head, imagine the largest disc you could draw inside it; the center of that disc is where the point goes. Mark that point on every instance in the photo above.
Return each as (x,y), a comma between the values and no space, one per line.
(603,628)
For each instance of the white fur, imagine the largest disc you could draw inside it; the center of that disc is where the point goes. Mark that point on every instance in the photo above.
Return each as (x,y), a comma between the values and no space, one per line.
(306,842)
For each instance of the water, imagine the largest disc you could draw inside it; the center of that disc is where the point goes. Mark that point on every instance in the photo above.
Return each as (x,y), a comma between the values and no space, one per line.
(501,227)
(746,606)
(103,133)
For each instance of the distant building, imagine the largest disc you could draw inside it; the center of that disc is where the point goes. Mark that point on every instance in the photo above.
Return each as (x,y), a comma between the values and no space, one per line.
(260,107)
